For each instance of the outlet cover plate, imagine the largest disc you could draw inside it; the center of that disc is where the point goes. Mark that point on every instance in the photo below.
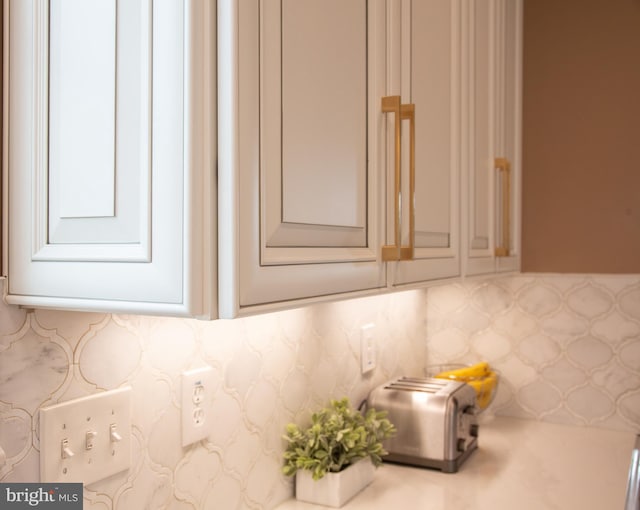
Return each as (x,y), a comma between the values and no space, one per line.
(368,348)
(96,431)
(197,396)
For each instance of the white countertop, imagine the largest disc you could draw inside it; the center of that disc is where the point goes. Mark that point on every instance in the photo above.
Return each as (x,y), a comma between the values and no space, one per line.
(519,465)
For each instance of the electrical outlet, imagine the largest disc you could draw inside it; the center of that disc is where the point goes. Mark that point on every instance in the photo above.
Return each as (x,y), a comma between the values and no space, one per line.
(197,394)
(86,439)
(368,348)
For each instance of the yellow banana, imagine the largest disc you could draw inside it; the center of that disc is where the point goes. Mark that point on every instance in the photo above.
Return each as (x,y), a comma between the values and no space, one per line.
(484,389)
(478,370)
(479,376)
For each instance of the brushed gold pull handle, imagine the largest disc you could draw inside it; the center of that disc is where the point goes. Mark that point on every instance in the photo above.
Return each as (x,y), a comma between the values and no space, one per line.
(503,167)
(392,104)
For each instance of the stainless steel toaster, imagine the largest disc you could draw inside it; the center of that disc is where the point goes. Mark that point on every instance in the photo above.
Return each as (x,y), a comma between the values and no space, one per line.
(435,418)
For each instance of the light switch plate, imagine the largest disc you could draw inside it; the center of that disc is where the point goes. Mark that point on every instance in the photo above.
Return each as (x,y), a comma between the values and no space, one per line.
(86,439)
(197,395)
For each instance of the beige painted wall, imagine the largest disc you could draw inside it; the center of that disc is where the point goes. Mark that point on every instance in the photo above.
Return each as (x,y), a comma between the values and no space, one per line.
(581,148)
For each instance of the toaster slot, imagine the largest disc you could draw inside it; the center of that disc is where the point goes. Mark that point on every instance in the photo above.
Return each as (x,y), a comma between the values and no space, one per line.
(415,384)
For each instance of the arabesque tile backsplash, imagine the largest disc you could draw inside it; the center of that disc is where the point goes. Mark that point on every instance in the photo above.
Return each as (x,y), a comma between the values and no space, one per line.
(269,370)
(568,347)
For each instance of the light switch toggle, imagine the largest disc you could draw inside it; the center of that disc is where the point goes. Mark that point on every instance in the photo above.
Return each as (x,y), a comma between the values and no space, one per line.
(88,439)
(65,451)
(113,434)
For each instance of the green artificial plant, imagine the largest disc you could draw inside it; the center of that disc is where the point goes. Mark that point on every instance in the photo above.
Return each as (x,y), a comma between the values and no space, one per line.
(337,437)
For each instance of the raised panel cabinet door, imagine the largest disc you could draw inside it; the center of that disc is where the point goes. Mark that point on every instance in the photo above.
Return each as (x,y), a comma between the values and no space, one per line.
(101,154)
(430,79)
(491,138)
(303,85)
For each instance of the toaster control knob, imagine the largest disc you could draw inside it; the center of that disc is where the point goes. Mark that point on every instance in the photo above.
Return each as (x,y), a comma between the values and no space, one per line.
(473,430)
(471,410)
(462,444)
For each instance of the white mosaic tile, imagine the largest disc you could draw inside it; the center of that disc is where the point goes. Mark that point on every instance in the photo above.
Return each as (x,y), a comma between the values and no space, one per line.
(589,301)
(567,347)
(630,355)
(616,379)
(490,345)
(629,303)
(69,325)
(564,326)
(538,350)
(589,352)
(515,373)
(469,319)
(590,403)
(615,328)
(447,298)
(170,345)
(564,376)
(539,397)
(571,338)
(491,298)
(196,472)
(35,367)
(516,324)
(539,300)
(227,407)
(259,405)
(225,492)
(629,405)
(448,345)
(109,354)
(12,319)
(616,283)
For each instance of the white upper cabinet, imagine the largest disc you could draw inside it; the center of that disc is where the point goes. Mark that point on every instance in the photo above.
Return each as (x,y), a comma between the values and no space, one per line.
(491,138)
(359,145)
(314,177)
(111,155)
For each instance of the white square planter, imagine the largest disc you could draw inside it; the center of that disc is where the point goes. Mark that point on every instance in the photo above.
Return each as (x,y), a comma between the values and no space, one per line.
(334,489)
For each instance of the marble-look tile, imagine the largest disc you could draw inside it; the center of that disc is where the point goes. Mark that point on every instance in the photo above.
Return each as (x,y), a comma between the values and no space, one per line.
(568,346)
(538,350)
(35,366)
(589,352)
(539,397)
(629,302)
(591,403)
(615,328)
(564,376)
(109,353)
(589,301)
(539,300)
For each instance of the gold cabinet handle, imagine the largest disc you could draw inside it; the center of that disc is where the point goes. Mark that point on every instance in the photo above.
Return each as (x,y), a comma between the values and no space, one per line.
(503,167)
(392,104)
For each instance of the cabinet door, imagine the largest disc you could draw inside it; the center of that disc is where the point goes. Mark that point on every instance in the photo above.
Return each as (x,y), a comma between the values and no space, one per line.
(492,135)
(510,141)
(429,55)
(300,124)
(102,158)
